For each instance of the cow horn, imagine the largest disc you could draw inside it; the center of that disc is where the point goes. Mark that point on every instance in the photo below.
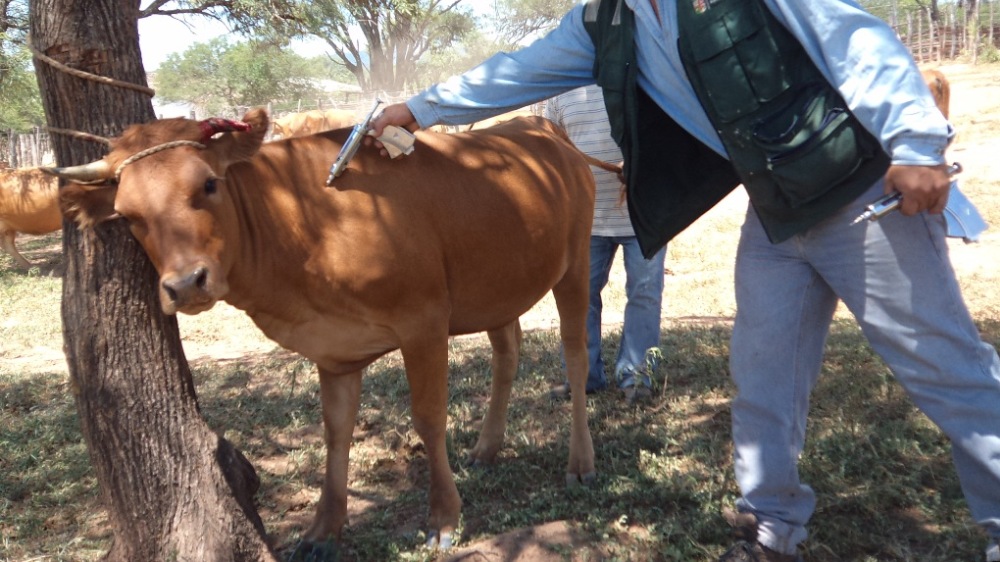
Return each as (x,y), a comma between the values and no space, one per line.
(94,171)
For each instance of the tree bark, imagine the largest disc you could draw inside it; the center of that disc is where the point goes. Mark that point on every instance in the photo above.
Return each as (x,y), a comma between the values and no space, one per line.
(174,489)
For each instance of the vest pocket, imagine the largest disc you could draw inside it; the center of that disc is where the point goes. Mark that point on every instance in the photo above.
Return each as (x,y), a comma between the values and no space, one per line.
(812,145)
(737,60)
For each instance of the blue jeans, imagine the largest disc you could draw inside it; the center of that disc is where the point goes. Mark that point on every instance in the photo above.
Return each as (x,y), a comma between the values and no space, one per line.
(895,277)
(641,325)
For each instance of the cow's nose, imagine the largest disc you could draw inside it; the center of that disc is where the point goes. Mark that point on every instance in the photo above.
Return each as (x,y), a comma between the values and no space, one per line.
(180,288)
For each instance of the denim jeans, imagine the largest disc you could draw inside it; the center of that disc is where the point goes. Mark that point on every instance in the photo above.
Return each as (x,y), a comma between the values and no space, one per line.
(895,277)
(641,324)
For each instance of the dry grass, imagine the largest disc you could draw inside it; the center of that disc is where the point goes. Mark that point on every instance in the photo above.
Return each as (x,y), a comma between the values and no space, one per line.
(886,488)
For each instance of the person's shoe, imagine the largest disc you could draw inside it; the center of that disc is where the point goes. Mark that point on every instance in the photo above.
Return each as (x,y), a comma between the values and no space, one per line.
(635,389)
(561,392)
(744,551)
(993,552)
(747,549)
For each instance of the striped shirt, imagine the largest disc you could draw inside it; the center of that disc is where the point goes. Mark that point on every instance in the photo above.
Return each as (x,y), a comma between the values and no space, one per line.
(581,113)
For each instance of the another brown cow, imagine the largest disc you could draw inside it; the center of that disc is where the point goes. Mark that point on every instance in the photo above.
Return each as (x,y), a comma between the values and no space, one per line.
(29,203)
(310,122)
(940,89)
(462,236)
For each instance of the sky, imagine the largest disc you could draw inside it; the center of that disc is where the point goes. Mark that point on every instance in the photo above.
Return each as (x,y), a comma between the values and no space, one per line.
(161,36)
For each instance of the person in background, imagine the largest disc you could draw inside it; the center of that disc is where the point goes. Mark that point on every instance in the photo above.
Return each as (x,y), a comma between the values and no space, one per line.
(817,109)
(582,115)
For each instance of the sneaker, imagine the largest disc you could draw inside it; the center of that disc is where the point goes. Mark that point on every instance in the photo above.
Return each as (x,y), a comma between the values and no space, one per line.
(993,552)
(748,549)
(635,391)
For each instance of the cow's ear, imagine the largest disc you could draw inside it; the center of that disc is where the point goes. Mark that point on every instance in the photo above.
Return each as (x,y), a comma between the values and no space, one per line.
(239,146)
(88,205)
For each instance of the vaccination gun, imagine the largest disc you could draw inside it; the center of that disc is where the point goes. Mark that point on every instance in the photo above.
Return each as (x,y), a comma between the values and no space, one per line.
(351,146)
(888,203)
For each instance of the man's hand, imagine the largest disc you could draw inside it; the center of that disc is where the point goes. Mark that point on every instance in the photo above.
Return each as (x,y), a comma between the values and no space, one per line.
(396,114)
(924,188)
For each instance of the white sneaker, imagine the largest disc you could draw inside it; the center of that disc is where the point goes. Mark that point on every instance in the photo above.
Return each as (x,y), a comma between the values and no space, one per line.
(993,553)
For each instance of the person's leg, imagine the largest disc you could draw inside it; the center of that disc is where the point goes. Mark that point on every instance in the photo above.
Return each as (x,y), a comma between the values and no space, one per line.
(909,305)
(784,310)
(641,322)
(602,254)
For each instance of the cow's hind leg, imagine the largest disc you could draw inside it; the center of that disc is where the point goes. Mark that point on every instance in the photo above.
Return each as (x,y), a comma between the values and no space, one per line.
(7,242)
(506,344)
(572,298)
(426,361)
(340,396)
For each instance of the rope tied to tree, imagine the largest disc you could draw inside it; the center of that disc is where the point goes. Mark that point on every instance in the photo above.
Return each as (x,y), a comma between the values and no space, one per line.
(79,135)
(87,75)
(153,150)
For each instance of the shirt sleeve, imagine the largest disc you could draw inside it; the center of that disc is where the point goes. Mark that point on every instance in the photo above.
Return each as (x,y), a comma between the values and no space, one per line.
(561,60)
(864,59)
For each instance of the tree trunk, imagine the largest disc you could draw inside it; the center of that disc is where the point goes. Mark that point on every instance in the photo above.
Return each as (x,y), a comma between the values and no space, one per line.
(174,489)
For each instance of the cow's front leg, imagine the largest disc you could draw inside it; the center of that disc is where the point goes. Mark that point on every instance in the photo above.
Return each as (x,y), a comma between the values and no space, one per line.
(340,396)
(426,364)
(506,344)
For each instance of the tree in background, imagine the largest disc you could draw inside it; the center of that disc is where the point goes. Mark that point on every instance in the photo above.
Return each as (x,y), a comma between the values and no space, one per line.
(510,24)
(20,102)
(378,41)
(224,78)
(515,21)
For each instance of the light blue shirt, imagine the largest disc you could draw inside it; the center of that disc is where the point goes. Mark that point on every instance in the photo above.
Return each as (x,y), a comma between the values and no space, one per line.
(858,53)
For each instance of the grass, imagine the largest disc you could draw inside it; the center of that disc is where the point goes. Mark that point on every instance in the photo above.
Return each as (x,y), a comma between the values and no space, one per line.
(886,488)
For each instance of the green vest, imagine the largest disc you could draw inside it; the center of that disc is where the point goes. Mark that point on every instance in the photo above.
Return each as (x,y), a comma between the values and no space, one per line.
(671,177)
(794,144)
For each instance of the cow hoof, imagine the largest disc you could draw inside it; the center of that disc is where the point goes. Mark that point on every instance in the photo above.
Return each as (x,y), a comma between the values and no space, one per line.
(574,480)
(309,551)
(439,540)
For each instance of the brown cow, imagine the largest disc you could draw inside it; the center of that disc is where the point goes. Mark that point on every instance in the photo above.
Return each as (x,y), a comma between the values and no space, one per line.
(504,117)
(940,89)
(462,236)
(310,122)
(29,203)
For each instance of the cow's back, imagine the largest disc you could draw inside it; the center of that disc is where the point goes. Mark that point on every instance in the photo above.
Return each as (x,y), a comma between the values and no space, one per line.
(517,209)
(477,226)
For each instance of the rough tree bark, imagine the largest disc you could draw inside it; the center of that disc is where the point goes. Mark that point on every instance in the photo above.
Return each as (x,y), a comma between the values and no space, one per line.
(174,489)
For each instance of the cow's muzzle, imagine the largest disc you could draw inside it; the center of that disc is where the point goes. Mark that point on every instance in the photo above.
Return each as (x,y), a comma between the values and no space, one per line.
(188,292)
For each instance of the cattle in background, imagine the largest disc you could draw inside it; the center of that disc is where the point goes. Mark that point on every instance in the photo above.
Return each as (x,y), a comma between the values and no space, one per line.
(940,89)
(313,121)
(504,117)
(29,204)
(462,236)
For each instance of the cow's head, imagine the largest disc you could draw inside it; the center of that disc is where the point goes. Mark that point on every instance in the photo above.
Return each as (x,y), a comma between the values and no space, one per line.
(168,179)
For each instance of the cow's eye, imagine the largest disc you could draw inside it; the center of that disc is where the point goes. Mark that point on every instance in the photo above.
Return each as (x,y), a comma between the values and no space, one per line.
(211,186)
